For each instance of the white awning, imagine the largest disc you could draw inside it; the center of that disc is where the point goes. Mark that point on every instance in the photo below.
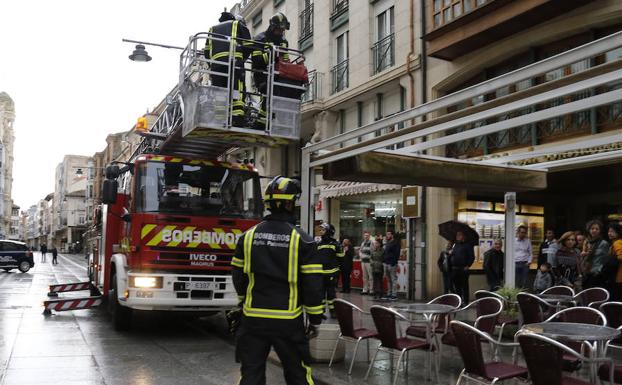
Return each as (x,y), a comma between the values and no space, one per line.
(339,189)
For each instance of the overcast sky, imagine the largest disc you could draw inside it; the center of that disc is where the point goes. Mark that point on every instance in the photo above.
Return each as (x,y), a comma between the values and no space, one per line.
(64,65)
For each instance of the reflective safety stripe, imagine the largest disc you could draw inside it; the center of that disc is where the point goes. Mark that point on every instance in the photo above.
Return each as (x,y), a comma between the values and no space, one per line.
(292,270)
(319,309)
(311,269)
(257,53)
(237,262)
(327,247)
(331,271)
(308,375)
(272,313)
(220,55)
(248,245)
(341,254)
(283,183)
(279,196)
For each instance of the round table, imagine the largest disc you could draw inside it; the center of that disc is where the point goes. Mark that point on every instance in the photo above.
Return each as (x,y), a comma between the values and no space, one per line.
(556,299)
(426,308)
(568,331)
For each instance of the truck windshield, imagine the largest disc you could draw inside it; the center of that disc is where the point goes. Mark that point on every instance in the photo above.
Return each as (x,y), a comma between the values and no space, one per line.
(198,190)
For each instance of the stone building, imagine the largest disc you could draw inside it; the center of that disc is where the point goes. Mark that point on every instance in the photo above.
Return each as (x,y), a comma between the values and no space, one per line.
(7,138)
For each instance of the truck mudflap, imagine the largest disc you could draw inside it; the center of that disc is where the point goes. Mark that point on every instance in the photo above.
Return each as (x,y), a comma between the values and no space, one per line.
(180,292)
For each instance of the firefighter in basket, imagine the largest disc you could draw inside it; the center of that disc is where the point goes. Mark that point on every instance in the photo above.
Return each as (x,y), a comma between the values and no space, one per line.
(218,49)
(263,55)
(277,279)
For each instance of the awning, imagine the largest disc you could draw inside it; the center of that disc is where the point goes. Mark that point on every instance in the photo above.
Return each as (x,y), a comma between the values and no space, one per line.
(340,189)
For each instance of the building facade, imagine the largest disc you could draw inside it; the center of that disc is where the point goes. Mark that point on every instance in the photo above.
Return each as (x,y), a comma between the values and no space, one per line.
(7,138)
(14,233)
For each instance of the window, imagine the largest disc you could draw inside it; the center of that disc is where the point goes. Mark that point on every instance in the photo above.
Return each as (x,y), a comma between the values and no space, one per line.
(383,50)
(257,19)
(306,22)
(340,70)
(444,11)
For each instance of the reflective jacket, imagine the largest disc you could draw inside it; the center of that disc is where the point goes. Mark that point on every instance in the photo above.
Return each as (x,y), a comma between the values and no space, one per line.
(276,273)
(261,57)
(219,49)
(330,254)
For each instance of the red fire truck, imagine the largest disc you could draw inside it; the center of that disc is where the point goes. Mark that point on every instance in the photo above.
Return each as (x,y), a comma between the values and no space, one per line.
(171,216)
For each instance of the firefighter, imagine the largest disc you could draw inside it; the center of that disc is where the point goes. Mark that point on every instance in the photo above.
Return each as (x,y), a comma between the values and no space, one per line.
(277,279)
(330,254)
(230,26)
(274,35)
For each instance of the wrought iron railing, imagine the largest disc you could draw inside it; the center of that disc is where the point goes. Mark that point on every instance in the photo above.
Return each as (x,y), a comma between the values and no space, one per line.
(383,52)
(339,74)
(306,23)
(339,8)
(314,91)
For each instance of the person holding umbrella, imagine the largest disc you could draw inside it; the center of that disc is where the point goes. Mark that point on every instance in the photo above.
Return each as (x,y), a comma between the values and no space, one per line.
(461,255)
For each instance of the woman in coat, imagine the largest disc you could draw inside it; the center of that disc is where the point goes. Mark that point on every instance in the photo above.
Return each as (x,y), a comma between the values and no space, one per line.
(595,254)
(566,261)
(377,267)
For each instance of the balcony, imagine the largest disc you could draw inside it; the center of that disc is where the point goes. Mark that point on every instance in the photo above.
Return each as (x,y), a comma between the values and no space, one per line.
(305,39)
(339,75)
(458,27)
(383,53)
(314,91)
(339,14)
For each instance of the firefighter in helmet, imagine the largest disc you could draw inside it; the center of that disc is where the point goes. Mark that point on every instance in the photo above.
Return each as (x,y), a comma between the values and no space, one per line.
(218,49)
(277,279)
(330,254)
(261,58)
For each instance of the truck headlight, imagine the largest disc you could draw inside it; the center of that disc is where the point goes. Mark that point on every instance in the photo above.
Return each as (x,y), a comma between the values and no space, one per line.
(146,282)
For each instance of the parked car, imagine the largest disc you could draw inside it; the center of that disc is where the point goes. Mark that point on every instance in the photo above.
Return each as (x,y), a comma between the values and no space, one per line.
(15,255)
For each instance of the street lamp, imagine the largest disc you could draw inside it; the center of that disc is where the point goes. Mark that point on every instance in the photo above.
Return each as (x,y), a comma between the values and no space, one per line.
(140,53)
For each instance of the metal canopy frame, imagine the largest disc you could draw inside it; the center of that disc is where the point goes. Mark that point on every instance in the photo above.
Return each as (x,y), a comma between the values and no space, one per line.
(421,136)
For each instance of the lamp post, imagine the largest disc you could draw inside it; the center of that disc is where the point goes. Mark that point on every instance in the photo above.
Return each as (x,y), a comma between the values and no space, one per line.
(140,53)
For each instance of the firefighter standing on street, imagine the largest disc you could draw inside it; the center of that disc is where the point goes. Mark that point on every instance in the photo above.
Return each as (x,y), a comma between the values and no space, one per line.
(274,35)
(277,277)
(219,50)
(330,254)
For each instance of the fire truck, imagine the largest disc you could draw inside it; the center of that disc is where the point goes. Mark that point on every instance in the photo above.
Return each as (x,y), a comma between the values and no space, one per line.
(171,215)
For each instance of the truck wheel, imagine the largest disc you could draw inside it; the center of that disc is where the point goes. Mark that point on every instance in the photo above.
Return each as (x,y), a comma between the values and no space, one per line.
(24,266)
(121,315)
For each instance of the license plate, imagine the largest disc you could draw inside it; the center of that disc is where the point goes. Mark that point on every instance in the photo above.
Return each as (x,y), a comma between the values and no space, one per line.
(201,285)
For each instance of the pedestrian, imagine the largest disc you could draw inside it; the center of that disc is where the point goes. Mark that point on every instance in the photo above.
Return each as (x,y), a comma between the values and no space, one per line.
(566,262)
(548,247)
(217,49)
(462,257)
(377,266)
(365,255)
(493,265)
(580,237)
(615,236)
(277,278)
(444,265)
(346,265)
(595,254)
(523,255)
(44,250)
(54,255)
(543,278)
(330,255)
(391,256)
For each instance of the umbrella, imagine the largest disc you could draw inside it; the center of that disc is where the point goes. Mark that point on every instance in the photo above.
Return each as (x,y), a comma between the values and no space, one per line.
(449,229)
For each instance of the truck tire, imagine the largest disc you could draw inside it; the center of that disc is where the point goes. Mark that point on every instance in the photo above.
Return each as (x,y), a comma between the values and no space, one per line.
(121,315)
(24,266)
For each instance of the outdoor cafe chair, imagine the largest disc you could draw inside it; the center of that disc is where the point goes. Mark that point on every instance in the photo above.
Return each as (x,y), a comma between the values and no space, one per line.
(468,342)
(560,290)
(592,297)
(442,321)
(533,309)
(503,319)
(348,332)
(613,313)
(545,360)
(393,341)
(487,310)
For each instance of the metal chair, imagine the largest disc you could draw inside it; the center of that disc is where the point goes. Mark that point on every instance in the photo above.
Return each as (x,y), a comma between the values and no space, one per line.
(560,289)
(345,317)
(503,319)
(613,312)
(468,341)
(442,321)
(391,339)
(545,360)
(592,297)
(531,308)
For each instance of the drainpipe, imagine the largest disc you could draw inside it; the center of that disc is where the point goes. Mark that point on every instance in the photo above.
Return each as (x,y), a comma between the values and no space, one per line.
(424,191)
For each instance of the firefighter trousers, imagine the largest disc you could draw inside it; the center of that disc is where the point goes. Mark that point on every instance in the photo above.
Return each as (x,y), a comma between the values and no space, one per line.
(330,283)
(238,88)
(290,344)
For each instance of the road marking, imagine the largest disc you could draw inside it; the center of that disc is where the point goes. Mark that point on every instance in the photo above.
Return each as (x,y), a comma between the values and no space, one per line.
(72,262)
